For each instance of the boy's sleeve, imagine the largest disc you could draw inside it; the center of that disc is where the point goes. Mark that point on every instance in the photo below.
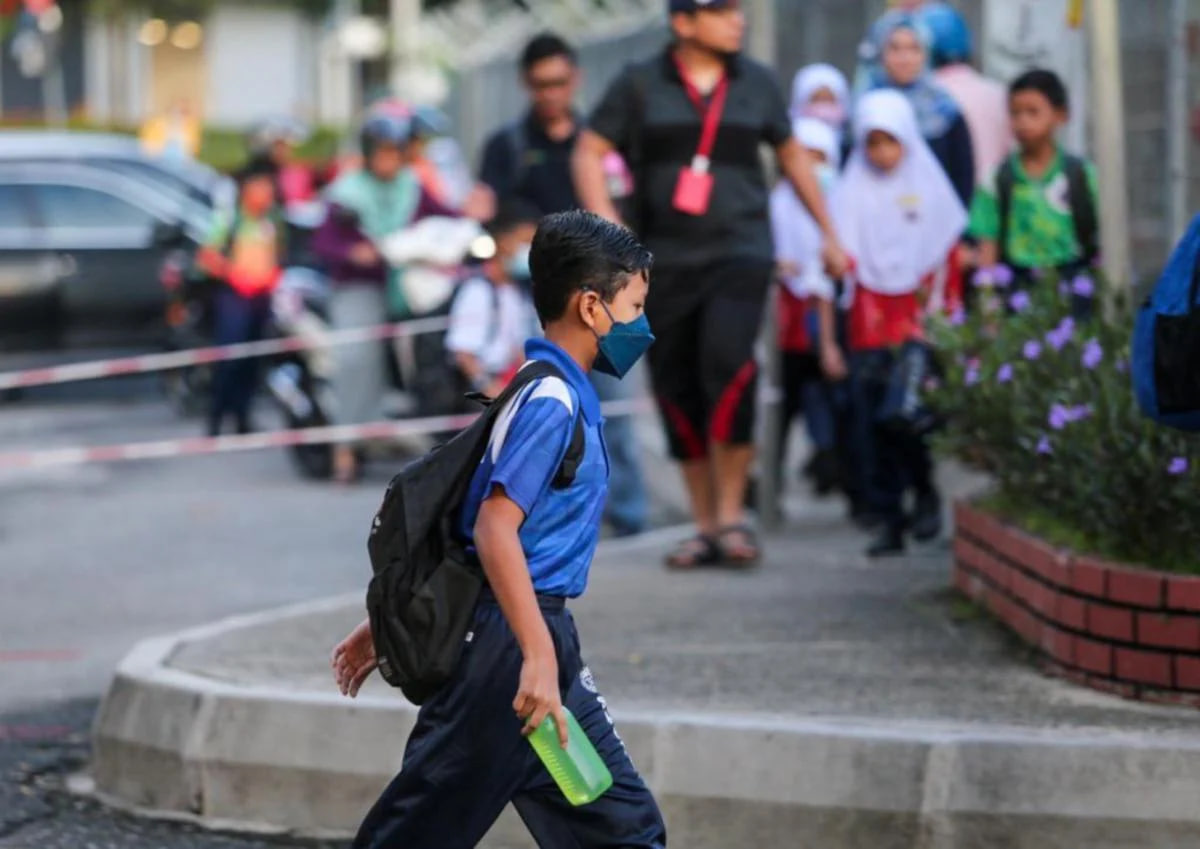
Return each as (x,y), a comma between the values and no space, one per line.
(613,117)
(528,447)
(469,318)
(984,220)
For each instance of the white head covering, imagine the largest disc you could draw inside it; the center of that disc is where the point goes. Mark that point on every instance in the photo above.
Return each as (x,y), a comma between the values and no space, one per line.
(899,226)
(811,79)
(817,135)
(797,238)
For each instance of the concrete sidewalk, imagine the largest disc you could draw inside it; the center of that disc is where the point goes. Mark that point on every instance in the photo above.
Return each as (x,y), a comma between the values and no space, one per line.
(821,700)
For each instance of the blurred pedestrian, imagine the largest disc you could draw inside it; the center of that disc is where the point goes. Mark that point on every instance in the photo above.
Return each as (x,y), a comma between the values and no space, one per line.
(897,56)
(813,362)
(245,252)
(276,140)
(365,206)
(1038,210)
(821,91)
(172,134)
(690,122)
(901,218)
(491,315)
(529,160)
(983,101)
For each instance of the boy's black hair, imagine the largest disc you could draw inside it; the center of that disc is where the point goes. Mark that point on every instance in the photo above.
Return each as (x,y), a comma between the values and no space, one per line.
(510,215)
(259,165)
(1045,81)
(578,250)
(546,45)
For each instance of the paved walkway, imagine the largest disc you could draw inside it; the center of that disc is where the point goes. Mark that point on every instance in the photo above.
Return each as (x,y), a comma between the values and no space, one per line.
(816,631)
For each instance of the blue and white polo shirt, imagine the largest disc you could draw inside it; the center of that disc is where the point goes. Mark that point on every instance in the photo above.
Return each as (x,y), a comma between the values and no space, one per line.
(528,443)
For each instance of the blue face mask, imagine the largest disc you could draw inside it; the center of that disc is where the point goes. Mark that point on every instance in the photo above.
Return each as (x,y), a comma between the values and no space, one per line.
(623,345)
(518,264)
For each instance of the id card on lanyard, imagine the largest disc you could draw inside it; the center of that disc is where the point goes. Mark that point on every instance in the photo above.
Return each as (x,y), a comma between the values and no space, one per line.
(693,189)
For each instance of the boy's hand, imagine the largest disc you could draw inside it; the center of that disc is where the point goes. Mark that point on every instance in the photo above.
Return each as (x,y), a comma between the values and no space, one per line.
(353,659)
(364,254)
(538,696)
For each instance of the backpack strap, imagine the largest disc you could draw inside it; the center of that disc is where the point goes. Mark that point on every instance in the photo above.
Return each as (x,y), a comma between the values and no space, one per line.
(518,143)
(537,370)
(573,459)
(1083,207)
(1006,179)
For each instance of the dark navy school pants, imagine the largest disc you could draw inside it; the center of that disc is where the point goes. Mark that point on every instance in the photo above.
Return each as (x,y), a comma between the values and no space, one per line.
(466,758)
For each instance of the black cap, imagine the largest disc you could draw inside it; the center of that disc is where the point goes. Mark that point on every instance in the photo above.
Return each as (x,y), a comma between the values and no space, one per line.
(675,7)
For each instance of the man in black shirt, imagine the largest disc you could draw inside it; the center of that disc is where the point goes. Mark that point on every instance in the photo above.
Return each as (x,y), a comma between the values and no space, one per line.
(690,123)
(529,161)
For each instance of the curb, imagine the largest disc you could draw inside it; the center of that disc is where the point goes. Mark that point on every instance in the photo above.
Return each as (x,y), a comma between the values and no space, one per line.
(310,763)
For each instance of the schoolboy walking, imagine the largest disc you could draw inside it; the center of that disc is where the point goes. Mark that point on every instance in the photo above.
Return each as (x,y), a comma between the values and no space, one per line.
(1039,211)
(466,758)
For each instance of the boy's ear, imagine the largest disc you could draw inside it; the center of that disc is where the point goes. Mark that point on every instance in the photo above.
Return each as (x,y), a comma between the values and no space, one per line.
(588,306)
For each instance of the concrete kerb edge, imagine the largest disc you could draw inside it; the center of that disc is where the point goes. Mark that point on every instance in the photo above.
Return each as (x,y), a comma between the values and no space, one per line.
(931,770)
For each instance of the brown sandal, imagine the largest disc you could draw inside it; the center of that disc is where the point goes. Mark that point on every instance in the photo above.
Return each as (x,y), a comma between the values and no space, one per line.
(694,552)
(744,551)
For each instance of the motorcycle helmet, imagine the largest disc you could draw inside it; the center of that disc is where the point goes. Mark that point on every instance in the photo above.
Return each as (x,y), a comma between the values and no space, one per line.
(281,128)
(950,36)
(387,126)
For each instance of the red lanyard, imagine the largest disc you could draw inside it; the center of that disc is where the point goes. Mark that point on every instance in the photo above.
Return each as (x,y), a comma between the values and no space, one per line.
(710,114)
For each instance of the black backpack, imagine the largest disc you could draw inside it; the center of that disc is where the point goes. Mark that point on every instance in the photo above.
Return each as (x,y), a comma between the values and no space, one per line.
(1079,197)
(426,582)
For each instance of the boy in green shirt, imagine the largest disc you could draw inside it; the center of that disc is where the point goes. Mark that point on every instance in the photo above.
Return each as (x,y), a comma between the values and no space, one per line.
(1038,212)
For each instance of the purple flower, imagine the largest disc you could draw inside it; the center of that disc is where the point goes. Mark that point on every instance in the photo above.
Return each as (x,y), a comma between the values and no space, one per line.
(1002,275)
(958,318)
(1177,466)
(1121,366)
(1059,417)
(971,377)
(1093,354)
(1032,350)
(1061,335)
(1019,302)
(1079,413)
(984,277)
(1083,286)
(1004,374)
(1044,447)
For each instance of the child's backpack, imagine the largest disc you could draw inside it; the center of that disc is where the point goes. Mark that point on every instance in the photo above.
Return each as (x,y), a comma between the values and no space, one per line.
(426,582)
(1166,340)
(1079,197)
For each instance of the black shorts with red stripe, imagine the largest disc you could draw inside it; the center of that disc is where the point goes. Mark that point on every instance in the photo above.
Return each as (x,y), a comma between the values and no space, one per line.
(702,367)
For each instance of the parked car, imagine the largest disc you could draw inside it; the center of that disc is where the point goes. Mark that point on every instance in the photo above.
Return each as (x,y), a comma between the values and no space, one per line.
(81,247)
(193,183)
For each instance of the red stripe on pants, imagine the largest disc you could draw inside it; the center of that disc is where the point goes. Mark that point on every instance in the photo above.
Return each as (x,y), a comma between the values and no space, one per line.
(727,405)
(693,444)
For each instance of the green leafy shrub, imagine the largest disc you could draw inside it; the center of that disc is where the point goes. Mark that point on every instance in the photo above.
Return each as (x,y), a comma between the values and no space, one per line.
(1041,400)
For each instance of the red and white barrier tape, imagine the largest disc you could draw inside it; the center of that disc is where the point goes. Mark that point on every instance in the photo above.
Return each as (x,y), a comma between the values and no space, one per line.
(147,363)
(197,446)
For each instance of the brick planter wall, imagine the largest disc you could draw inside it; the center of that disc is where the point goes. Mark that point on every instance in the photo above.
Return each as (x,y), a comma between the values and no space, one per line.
(1132,632)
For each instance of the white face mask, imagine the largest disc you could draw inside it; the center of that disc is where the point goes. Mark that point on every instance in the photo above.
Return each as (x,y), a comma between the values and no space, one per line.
(826,175)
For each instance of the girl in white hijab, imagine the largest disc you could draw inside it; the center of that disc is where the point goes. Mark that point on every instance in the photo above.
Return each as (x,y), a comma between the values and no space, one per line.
(821,91)
(804,284)
(899,218)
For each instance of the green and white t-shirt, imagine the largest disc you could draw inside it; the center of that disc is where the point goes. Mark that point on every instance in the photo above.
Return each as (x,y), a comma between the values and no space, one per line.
(1041,231)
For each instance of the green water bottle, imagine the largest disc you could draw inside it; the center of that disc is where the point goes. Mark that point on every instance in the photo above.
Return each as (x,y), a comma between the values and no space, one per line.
(578,770)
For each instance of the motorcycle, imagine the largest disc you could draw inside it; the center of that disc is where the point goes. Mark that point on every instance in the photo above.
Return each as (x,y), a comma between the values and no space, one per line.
(432,255)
